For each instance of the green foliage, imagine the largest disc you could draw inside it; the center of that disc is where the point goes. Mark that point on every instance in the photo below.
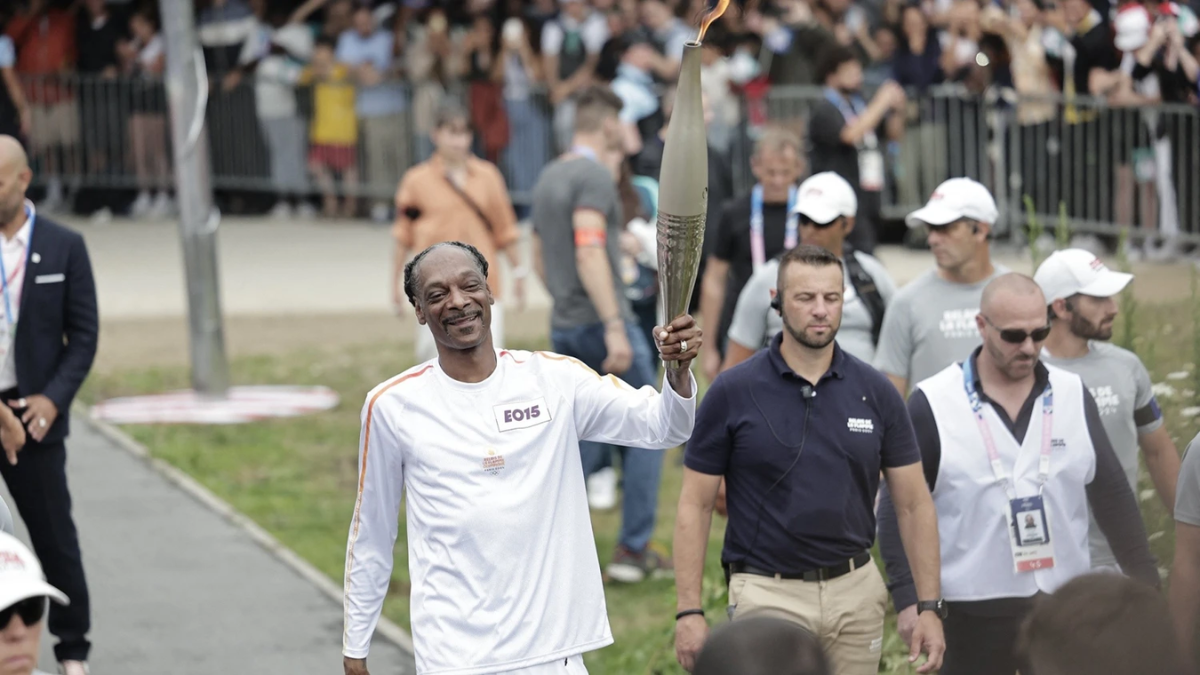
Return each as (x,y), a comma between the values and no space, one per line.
(1127,303)
(1036,230)
(1195,302)
(1062,232)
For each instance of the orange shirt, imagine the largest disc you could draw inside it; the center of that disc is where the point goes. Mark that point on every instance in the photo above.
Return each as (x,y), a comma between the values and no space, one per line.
(45,47)
(446,216)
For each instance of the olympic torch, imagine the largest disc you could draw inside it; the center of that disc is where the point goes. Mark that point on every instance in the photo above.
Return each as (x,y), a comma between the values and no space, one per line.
(683,194)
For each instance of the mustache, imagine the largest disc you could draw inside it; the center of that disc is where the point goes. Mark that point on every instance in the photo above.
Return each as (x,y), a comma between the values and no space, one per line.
(460,315)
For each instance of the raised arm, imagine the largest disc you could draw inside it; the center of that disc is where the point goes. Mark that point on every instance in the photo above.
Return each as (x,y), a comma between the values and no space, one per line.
(608,410)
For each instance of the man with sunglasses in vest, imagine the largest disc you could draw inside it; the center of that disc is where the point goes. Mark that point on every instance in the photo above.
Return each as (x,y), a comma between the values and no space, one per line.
(1081,292)
(1005,440)
(826,207)
(930,323)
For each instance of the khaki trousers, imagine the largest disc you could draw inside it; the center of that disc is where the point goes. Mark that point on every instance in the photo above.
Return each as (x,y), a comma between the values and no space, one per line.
(845,613)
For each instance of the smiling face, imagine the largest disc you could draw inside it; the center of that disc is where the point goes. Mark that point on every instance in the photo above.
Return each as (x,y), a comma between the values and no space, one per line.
(453,299)
(810,299)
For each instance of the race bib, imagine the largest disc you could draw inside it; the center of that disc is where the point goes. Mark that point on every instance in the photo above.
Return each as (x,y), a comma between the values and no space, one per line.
(1029,534)
(512,416)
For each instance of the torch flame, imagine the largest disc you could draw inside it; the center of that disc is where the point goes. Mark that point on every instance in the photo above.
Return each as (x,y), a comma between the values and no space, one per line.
(712,16)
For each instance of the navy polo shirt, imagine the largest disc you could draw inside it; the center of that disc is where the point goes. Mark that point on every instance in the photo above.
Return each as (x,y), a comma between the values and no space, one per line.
(749,429)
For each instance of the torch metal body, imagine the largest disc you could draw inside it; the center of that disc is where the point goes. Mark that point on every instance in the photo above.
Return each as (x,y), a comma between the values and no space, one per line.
(683,194)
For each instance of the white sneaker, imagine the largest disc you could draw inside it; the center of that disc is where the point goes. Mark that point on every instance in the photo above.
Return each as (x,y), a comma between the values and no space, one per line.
(102,217)
(282,211)
(379,213)
(602,489)
(162,206)
(141,206)
(306,211)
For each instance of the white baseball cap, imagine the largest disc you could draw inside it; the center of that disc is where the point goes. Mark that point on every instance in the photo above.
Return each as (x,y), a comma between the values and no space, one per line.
(953,200)
(825,196)
(1132,27)
(1075,270)
(21,574)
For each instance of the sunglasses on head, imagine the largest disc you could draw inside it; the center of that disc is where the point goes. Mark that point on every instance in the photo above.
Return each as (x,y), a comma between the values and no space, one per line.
(1017,336)
(31,611)
(805,220)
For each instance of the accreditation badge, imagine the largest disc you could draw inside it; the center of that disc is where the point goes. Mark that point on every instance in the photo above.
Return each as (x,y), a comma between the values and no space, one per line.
(870,170)
(1029,534)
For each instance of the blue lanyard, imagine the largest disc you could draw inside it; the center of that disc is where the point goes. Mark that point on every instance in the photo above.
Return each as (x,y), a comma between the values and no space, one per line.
(850,108)
(30,217)
(758,247)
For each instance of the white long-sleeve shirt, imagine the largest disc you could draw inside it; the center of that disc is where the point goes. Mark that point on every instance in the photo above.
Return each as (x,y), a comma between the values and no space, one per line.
(500,549)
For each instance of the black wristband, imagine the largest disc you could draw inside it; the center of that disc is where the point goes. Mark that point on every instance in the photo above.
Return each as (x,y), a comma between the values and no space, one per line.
(688,612)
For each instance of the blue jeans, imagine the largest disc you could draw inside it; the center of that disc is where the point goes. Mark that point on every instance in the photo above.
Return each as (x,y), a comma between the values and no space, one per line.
(641,468)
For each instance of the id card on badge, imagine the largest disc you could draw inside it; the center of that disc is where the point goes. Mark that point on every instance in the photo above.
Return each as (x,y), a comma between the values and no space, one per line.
(870,170)
(1029,534)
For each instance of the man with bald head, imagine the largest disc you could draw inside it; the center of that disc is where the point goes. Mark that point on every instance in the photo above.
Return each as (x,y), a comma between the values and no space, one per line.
(1014,452)
(48,329)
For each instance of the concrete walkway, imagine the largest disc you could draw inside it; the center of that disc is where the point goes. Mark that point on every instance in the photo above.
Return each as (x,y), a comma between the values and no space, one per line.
(177,588)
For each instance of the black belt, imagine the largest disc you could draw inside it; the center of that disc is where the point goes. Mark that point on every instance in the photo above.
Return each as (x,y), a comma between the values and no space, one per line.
(819,574)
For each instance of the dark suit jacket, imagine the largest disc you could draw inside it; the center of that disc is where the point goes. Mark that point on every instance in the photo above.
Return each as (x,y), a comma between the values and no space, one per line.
(58,324)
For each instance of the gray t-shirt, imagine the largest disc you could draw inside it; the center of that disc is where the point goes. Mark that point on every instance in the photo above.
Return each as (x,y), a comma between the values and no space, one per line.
(1187,492)
(755,324)
(929,325)
(566,186)
(1122,389)
(6,521)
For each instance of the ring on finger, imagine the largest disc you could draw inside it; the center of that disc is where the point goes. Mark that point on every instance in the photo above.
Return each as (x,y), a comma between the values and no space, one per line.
(42,422)
(682,346)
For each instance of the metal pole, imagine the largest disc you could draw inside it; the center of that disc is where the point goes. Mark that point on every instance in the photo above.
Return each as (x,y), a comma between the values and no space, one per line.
(187,90)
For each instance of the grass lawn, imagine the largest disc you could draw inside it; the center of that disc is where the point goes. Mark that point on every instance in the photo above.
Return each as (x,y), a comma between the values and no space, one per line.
(297,477)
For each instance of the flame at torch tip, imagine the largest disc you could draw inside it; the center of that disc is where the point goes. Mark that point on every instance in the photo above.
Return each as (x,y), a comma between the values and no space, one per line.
(712,16)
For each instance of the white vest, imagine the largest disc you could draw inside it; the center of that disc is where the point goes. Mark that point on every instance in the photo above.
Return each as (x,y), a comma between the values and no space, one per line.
(977,562)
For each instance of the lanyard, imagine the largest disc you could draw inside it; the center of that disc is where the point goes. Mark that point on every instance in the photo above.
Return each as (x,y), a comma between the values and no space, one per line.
(989,443)
(851,108)
(30,217)
(758,247)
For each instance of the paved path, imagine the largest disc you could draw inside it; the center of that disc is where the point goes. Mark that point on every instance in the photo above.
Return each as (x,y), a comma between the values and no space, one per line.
(176,588)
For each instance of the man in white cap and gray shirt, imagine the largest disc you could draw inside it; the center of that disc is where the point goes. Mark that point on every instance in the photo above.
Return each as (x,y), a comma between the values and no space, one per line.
(930,324)
(826,206)
(24,596)
(1081,293)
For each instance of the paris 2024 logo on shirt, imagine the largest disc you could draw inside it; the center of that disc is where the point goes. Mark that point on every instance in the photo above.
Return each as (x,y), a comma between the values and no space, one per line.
(1107,400)
(959,323)
(493,464)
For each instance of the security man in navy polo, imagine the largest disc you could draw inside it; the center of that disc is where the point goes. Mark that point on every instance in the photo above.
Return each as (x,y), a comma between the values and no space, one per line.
(801,432)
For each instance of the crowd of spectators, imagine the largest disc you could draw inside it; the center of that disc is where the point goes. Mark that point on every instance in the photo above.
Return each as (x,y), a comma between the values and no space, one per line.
(336,98)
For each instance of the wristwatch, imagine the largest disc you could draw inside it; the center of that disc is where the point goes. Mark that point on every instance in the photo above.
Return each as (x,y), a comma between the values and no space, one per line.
(938,607)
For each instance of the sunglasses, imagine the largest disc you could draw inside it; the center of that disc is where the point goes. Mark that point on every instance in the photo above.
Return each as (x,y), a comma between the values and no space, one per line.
(1017,336)
(806,221)
(31,611)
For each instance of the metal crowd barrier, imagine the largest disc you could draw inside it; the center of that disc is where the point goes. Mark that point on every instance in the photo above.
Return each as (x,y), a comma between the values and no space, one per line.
(1108,167)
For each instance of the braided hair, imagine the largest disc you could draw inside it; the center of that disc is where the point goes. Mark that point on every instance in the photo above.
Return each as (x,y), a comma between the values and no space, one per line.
(411,269)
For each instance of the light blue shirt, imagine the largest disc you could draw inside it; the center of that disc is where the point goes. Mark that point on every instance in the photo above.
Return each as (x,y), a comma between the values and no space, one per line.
(8,54)
(635,89)
(354,50)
